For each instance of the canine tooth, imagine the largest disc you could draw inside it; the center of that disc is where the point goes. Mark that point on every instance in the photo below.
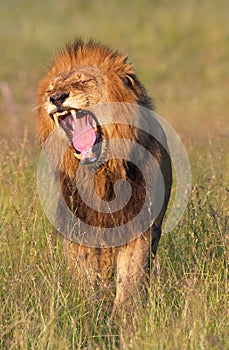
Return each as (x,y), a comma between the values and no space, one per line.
(78,155)
(55,116)
(73,115)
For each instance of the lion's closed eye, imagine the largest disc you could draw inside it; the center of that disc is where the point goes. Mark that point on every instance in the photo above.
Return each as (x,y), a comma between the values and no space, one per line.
(84,83)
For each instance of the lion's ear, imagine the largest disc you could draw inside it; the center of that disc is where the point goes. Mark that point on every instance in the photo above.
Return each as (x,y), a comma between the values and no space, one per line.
(128,74)
(130,79)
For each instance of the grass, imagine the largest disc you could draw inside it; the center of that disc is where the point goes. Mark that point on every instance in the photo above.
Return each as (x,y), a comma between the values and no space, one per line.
(180,51)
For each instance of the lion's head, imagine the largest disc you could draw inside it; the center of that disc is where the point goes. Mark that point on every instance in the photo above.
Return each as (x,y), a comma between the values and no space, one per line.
(81,76)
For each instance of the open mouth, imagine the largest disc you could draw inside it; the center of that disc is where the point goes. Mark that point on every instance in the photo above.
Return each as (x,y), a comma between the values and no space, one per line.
(83,131)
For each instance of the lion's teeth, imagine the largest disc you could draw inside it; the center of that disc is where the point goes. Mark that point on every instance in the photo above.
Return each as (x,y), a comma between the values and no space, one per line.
(73,112)
(56,119)
(78,155)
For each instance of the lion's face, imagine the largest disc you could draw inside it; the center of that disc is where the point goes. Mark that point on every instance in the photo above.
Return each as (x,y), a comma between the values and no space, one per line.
(83,76)
(67,99)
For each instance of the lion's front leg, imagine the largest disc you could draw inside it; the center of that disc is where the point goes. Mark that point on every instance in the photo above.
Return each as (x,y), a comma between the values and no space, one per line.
(84,265)
(132,266)
(93,268)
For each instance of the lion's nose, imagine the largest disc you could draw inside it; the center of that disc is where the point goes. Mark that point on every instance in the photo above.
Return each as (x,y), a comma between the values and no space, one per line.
(58,98)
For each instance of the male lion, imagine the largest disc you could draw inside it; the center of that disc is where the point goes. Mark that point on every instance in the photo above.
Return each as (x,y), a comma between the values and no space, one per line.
(82,76)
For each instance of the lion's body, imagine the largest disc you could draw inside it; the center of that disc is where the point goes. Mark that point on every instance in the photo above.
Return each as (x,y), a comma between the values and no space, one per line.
(91,74)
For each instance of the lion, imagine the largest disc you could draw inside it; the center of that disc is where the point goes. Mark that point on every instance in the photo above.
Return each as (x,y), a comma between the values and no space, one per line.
(81,76)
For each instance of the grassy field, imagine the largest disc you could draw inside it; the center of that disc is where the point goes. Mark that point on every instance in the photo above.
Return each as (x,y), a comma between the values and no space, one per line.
(180,50)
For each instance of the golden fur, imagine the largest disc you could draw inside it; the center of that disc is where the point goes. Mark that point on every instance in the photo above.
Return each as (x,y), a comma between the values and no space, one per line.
(93,74)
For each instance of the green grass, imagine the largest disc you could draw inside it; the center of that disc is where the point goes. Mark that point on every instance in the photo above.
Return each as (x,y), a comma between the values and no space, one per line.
(180,51)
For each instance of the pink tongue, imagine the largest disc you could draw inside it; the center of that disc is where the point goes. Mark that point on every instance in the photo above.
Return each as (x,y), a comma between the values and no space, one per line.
(84,134)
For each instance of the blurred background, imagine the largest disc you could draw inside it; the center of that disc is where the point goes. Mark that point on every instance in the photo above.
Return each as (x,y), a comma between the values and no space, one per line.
(179,49)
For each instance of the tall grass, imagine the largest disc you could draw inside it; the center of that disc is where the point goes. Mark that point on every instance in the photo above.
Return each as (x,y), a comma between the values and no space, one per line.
(40,305)
(180,51)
